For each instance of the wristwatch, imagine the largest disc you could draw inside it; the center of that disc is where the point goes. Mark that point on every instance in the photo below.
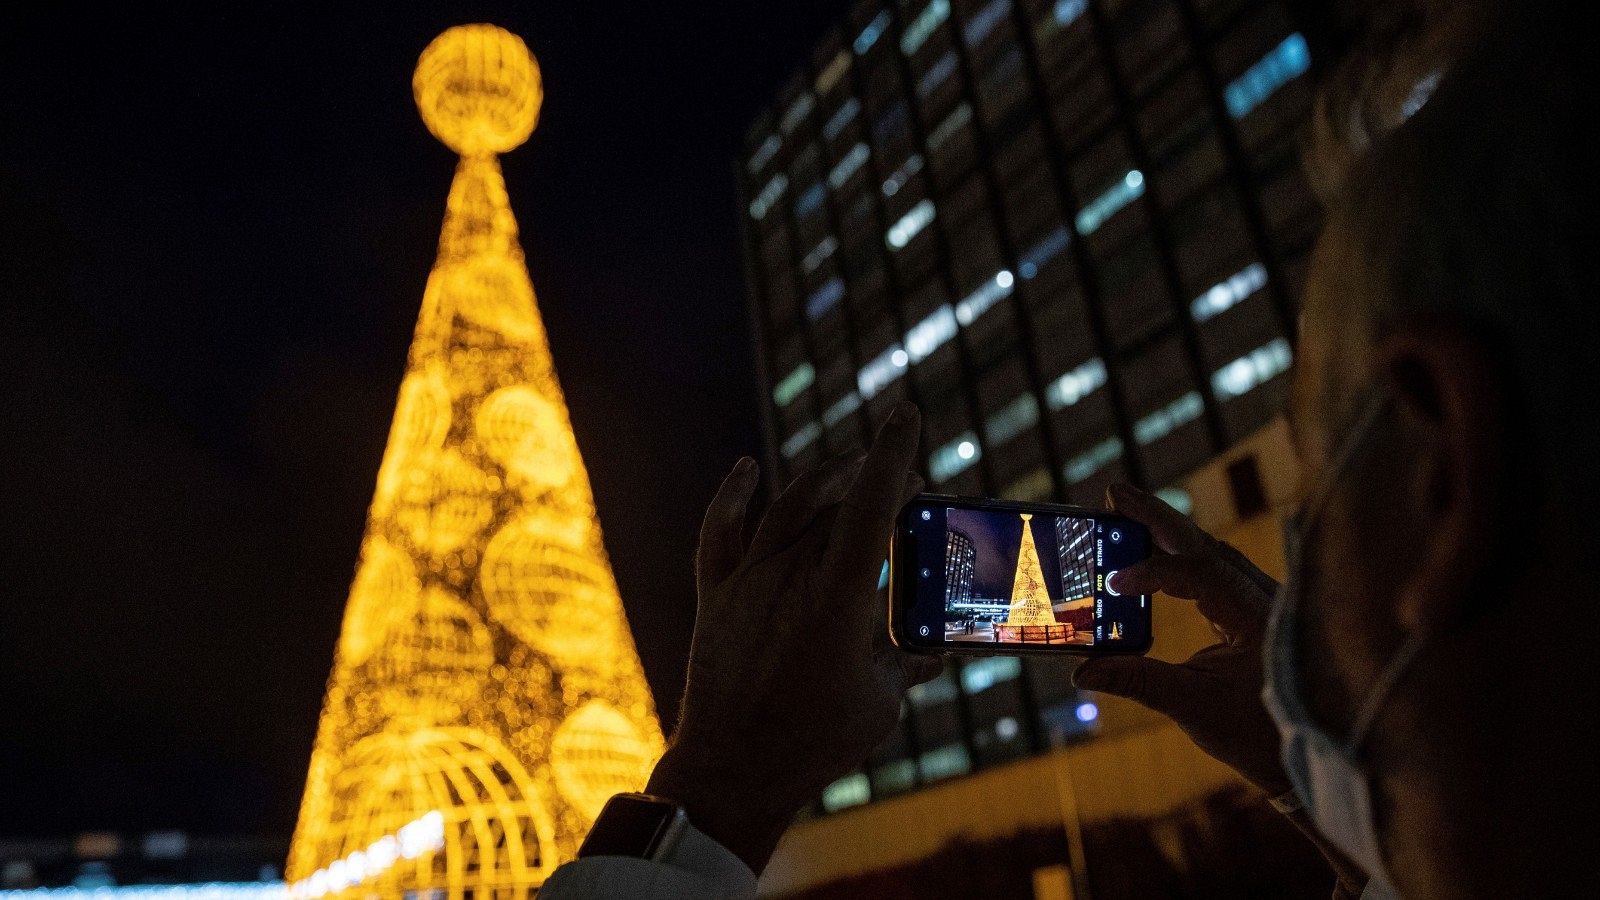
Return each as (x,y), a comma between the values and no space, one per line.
(638,825)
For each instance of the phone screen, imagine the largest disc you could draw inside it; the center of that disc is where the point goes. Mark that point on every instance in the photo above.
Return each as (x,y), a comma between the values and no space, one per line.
(989,576)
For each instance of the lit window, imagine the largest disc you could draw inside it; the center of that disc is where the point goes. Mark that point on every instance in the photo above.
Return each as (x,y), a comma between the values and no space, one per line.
(1094,459)
(1068,11)
(793,383)
(922,27)
(944,762)
(822,251)
(1177,498)
(769,195)
(841,118)
(835,70)
(910,224)
(1225,295)
(952,123)
(1252,370)
(1076,384)
(851,790)
(1012,419)
(932,693)
(895,777)
(809,201)
(840,408)
(801,439)
(937,73)
(881,371)
(979,675)
(1044,251)
(985,20)
(895,182)
(824,298)
(1420,92)
(847,167)
(764,153)
(954,458)
(931,333)
(992,291)
(871,33)
(797,113)
(1127,189)
(1169,418)
(1281,65)
(1033,486)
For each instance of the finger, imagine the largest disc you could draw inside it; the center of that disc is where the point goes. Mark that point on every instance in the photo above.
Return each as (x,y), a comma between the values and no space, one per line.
(860,537)
(1172,530)
(913,486)
(1161,686)
(918,668)
(1222,593)
(722,530)
(1233,557)
(789,516)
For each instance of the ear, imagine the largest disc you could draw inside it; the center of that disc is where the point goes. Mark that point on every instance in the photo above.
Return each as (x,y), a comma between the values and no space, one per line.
(1451,408)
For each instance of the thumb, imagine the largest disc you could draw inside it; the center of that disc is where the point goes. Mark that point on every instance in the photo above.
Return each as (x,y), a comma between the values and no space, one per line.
(1159,685)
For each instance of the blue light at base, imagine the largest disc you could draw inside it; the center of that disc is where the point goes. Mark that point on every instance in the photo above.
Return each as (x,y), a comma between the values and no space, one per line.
(1087,712)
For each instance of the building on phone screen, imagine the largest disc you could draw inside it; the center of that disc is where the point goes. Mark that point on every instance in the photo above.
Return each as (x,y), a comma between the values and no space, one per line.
(1073,231)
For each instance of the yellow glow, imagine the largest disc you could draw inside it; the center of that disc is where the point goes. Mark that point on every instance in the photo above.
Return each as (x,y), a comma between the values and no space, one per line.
(485,676)
(1030,600)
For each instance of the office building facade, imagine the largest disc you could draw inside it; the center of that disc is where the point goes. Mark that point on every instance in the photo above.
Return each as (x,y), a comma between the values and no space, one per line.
(1073,231)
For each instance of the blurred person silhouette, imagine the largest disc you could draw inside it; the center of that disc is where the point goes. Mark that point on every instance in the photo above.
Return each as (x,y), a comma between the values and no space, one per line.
(1417,696)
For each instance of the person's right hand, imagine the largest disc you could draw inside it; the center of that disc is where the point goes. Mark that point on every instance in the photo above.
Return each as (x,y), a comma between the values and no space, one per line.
(1215,695)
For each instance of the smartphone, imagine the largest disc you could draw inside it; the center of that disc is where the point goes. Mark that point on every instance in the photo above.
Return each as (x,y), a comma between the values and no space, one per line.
(989,576)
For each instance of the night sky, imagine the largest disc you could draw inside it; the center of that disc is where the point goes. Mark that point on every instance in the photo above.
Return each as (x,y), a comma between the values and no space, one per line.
(996,541)
(215,227)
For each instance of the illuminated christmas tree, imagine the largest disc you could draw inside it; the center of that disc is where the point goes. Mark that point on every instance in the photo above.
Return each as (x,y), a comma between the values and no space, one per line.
(486,697)
(1030,599)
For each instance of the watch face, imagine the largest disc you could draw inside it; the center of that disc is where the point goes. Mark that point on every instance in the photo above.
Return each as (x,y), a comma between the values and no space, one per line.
(630,825)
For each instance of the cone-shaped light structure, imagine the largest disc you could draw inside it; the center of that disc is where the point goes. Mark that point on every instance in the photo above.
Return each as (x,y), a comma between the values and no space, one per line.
(1030,599)
(486,697)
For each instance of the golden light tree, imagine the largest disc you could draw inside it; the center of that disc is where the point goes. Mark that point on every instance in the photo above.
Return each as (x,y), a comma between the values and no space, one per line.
(486,697)
(1030,599)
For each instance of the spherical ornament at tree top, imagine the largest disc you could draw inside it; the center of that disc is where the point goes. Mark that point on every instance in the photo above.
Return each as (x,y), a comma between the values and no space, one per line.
(478,89)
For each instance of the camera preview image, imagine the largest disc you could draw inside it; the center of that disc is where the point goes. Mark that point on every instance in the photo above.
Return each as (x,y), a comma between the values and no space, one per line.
(1018,578)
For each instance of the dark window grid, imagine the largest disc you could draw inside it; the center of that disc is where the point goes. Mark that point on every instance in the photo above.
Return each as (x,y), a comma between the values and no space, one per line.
(760,331)
(811,397)
(939,231)
(1149,40)
(849,302)
(919,135)
(894,290)
(1085,267)
(1023,325)
(1239,168)
(1215,427)
(992,197)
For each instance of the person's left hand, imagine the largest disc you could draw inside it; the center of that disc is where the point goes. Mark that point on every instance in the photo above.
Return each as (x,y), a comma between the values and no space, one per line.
(792,680)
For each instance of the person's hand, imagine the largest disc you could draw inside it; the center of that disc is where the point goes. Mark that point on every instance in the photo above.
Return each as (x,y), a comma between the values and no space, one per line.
(1214,696)
(792,680)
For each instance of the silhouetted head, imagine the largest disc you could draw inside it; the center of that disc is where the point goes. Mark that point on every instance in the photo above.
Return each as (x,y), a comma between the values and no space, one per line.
(1455,285)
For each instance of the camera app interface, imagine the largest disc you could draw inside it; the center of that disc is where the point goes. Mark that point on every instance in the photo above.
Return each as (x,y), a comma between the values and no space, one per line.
(990,576)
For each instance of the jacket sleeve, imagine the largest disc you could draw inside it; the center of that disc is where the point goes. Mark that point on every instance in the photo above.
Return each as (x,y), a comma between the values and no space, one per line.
(698,867)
